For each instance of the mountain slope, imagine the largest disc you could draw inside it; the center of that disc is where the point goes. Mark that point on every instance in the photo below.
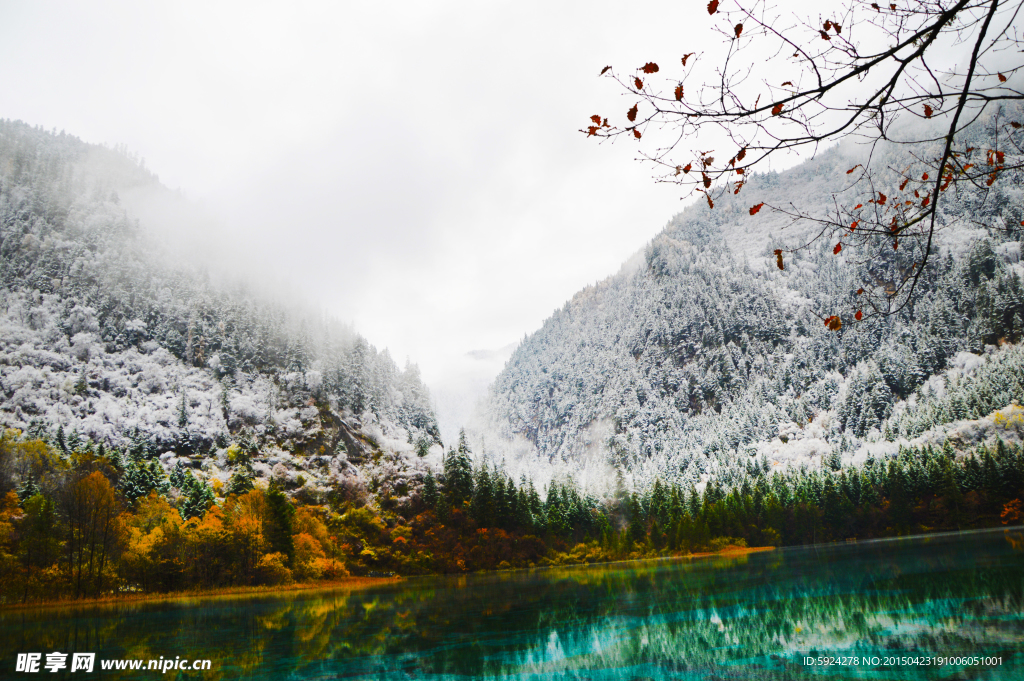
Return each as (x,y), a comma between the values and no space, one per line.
(105,341)
(700,354)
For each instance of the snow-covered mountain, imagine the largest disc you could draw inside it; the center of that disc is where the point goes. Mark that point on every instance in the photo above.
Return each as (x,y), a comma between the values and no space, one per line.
(701,359)
(106,340)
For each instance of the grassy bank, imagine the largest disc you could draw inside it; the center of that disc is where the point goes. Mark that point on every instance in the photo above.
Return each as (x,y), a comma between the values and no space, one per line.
(224,592)
(345,583)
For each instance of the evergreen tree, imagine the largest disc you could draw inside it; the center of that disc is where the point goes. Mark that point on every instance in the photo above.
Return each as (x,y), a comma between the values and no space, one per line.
(40,535)
(74,441)
(141,478)
(637,524)
(26,490)
(183,411)
(281,518)
(482,506)
(241,479)
(430,494)
(197,496)
(504,501)
(180,477)
(115,459)
(458,474)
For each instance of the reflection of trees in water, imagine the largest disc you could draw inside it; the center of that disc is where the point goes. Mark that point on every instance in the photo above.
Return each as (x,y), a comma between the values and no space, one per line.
(936,598)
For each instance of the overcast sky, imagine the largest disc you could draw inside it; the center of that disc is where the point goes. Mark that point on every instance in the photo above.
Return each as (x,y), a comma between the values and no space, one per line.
(413,167)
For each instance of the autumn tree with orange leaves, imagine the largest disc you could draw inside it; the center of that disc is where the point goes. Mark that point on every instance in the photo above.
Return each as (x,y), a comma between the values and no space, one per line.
(790,84)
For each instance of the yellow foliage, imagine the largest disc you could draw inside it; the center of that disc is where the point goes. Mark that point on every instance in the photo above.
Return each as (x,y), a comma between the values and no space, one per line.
(251,504)
(307,552)
(244,518)
(9,506)
(154,511)
(329,568)
(401,532)
(8,509)
(307,521)
(234,452)
(31,458)
(362,522)
(138,559)
(207,530)
(1011,417)
(272,570)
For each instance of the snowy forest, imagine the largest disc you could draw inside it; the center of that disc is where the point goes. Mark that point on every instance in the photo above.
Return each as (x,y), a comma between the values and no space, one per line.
(165,429)
(105,344)
(702,360)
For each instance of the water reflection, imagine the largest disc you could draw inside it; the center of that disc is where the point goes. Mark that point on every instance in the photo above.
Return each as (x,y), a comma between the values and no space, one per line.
(750,617)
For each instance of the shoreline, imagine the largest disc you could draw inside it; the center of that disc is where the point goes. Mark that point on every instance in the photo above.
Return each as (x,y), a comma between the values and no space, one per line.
(348,583)
(731,551)
(223,592)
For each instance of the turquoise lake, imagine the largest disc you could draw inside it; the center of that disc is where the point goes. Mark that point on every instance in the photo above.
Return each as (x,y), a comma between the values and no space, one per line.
(757,616)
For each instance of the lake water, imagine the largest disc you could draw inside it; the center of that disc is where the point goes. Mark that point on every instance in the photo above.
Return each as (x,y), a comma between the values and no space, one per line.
(905,602)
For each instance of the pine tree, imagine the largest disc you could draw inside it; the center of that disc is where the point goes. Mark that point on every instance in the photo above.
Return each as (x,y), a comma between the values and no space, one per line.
(504,501)
(241,479)
(183,411)
(430,494)
(26,490)
(197,496)
(482,506)
(180,477)
(141,478)
(40,534)
(115,458)
(637,525)
(139,447)
(458,474)
(74,442)
(282,515)
(535,508)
